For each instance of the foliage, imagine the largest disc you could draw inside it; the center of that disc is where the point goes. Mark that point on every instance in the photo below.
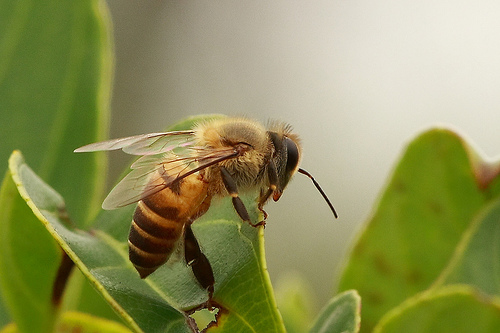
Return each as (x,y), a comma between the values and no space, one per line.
(427,259)
(436,225)
(55,73)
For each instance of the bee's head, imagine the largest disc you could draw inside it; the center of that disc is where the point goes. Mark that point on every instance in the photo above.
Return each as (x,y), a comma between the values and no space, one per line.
(286,157)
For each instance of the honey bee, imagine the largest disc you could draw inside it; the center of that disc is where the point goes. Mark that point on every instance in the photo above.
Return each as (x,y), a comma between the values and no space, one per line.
(178,174)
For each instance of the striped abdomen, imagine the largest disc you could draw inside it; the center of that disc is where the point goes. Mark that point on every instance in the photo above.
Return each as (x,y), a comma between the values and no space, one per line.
(159,221)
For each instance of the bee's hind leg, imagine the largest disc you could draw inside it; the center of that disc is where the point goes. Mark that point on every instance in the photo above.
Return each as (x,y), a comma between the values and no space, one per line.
(198,262)
(231,187)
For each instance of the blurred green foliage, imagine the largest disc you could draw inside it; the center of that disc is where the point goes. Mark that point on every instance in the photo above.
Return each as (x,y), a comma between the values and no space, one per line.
(440,191)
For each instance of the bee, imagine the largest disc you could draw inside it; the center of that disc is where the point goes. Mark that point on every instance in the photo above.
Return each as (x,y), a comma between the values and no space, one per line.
(178,174)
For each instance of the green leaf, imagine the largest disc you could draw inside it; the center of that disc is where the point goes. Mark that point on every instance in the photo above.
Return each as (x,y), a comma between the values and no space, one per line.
(29,259)
(80,322)
(456,308)
(476,260)
(55,73)
(242,286)
(236,252)
(437,188)
(100,258)
(341,314)
(450,307)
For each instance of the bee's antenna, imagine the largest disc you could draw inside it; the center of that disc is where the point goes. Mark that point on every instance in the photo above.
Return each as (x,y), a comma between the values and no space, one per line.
(304,172)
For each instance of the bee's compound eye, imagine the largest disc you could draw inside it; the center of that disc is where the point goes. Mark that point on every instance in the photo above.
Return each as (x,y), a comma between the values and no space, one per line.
(292,159)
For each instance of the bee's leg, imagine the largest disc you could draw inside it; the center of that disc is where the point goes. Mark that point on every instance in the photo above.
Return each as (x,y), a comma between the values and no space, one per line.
(262,201)
(272,176)
(231,187)
(198,262)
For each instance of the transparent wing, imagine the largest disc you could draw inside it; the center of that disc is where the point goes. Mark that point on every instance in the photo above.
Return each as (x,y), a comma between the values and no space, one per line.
(153,173)
(145,144)
(144,179)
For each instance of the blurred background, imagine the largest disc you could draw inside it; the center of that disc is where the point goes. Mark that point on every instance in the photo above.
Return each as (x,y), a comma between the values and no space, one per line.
(356,79)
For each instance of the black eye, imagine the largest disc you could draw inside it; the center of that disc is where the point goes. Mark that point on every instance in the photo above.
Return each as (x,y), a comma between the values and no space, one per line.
(292,158)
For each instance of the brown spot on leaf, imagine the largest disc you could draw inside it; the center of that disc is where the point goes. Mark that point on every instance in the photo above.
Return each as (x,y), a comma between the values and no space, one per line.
(435,207)
(399,186)
(374,298)
(414,277)
(382,265)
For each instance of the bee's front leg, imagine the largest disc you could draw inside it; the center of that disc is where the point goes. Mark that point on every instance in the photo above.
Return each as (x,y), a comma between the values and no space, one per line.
(272,176)
(231,187)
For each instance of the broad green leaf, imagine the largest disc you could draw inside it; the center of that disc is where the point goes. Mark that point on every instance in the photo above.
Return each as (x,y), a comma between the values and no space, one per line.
(341,314)
(95,256)
(437,188)
(29,259)
(477,259)
(455,308)
(71,322)
(55,73)
(242,286)
(448,307)
(235,251)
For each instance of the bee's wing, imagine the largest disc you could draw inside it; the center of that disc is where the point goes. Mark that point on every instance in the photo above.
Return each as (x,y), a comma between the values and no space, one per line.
(144,144)
(142,181)
(153,173)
